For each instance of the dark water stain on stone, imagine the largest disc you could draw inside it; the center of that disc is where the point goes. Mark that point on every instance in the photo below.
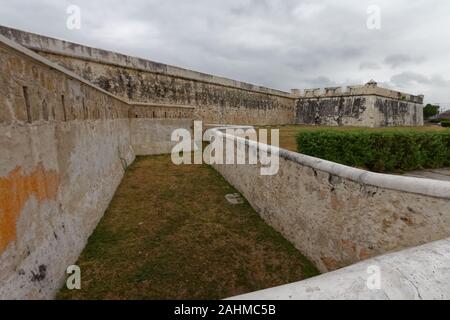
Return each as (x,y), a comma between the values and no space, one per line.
(40,274)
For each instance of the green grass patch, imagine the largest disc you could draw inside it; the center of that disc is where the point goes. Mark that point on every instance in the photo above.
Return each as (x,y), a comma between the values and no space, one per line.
(169,233)
(380,150)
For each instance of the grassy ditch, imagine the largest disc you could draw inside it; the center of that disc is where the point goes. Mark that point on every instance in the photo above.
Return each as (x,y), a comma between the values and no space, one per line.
(169,233)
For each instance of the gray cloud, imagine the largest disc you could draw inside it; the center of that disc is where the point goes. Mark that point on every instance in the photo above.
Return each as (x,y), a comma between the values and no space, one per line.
(408,78)
(367,65)
(282,44)
(434,86)
(321,82)
(405,79)
(397,60)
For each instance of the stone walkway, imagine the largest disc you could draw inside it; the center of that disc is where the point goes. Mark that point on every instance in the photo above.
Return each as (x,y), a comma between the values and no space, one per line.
(436,174)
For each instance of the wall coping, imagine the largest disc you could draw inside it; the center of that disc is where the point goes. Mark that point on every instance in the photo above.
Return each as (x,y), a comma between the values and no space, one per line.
(44,61)
(423,186)
(50,45)
(416,273)
(369,89)
(152,104)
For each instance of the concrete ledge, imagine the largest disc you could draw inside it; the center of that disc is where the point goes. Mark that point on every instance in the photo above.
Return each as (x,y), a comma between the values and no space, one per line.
(334,214)
(427,187)
(418,273)
(158,105)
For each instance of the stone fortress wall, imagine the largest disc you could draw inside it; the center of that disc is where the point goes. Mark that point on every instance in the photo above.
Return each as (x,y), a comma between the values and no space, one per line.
(215,99)
(67,143)
(363,106)
(220,100)
(65,146)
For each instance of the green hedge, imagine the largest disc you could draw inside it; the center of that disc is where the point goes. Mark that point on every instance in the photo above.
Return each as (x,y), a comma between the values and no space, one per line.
(443,122)
(381,151)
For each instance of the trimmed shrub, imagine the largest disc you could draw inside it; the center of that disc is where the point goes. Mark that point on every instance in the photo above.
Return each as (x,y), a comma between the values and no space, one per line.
(378,150)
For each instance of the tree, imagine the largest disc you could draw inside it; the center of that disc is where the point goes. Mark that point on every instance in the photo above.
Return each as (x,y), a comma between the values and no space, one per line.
(430,110)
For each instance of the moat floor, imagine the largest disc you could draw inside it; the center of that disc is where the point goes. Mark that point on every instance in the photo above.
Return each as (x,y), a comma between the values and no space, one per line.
(169,233)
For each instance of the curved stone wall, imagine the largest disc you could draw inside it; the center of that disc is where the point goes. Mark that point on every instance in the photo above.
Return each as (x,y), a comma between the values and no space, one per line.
(338,215)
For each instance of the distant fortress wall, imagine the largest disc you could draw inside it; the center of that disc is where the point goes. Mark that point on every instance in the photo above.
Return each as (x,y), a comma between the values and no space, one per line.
(363,106)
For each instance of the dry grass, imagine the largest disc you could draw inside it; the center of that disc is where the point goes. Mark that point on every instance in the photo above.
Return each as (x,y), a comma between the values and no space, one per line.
(169,233)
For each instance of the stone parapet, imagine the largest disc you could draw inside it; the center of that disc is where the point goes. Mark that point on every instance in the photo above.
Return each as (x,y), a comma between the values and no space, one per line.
(371,88)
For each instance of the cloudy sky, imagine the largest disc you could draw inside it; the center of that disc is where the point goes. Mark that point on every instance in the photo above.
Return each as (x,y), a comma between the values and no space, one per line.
(281,44)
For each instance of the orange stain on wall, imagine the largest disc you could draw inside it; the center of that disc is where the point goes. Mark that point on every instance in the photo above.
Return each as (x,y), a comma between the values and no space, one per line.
(15,190)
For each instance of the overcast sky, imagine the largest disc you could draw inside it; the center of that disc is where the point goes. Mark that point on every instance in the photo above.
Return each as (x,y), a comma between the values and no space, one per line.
(281,44)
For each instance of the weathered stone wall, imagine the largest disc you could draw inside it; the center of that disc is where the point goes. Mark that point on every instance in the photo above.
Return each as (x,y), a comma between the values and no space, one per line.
(65,145)
(338,215)
(216,99)
(364,106)
(361,111)
(220,100)
(153,136)
(350,111)
(389,112)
